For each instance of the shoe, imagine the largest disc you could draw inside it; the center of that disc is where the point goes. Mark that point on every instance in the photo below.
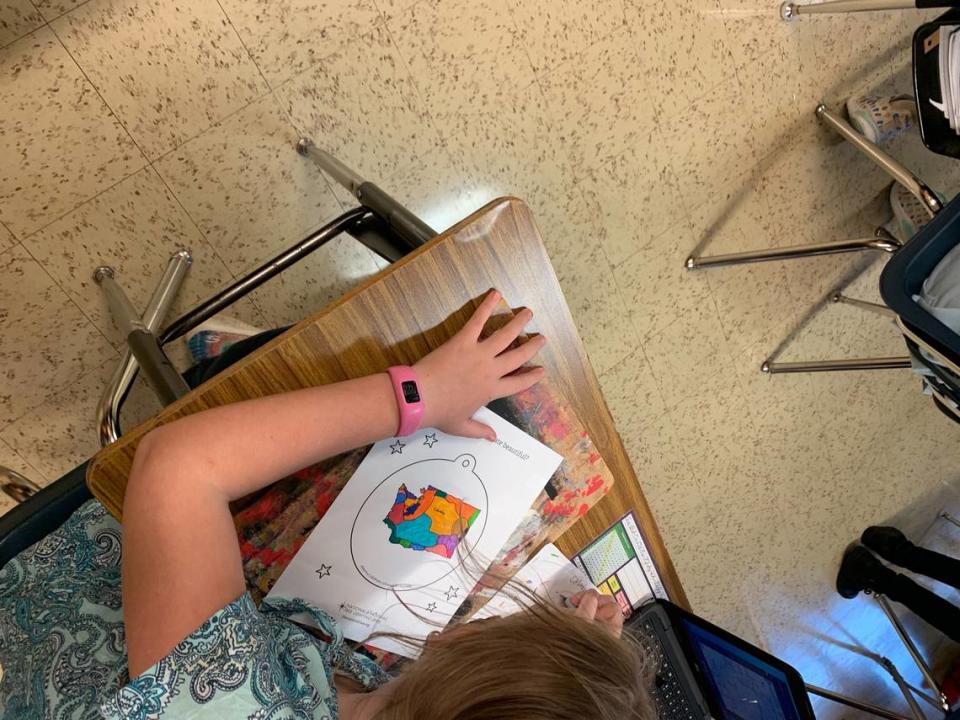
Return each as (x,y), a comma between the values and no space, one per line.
(859,571)
(889,543)
(881,119)
(909,213)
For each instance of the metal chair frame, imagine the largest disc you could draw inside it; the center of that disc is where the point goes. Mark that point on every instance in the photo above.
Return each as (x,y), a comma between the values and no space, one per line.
(791,10)
(380,222)
(882,241)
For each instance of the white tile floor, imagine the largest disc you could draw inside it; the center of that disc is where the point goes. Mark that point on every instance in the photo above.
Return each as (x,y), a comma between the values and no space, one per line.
(636,130)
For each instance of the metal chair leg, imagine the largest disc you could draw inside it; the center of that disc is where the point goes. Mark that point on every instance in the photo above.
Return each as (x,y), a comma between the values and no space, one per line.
(839,297)
(770,367)
(404,223)
(888,164)
(16,486)
(108,408)
(949,518)
(906,690)
(941,702)
(882,240)
(790,10)
(163,378)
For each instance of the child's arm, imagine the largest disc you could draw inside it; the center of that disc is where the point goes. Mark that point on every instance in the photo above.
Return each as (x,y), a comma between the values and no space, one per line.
(181,560)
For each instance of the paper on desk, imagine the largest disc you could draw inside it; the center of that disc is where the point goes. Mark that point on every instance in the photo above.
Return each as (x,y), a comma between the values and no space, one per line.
(394,553)
(549,575)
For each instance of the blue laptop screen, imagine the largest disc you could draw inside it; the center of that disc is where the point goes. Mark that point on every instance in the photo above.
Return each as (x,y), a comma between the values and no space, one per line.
(744,687)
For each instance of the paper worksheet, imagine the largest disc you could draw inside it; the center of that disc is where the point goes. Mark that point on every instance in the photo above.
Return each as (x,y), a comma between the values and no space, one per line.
(549,575)
(621,565)
(413,529)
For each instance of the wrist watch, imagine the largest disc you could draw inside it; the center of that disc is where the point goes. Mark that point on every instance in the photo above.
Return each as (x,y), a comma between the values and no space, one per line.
(407,389)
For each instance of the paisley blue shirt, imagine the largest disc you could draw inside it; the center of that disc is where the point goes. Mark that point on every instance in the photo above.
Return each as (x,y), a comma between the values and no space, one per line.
(63,653)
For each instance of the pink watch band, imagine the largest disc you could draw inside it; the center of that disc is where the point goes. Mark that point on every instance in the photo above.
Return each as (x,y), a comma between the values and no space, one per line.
(407,389)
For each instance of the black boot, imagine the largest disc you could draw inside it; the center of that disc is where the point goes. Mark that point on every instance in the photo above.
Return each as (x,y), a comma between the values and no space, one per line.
(893,546)
(889,543)
(859,571)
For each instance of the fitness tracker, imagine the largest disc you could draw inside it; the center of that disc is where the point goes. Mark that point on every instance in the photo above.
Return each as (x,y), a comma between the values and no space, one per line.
(407,390)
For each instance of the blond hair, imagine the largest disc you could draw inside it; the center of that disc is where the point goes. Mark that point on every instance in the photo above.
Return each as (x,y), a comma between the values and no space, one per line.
(539,664)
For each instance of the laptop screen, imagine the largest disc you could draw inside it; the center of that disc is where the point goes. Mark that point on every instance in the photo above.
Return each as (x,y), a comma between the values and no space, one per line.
(743,687)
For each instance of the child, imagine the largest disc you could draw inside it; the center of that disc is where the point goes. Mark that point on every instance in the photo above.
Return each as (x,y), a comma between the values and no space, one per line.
(198,647)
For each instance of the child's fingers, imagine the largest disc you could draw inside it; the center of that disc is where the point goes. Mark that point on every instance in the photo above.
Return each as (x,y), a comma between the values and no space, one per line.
(512,359)
(474,429)
(501,339)
(519,381)
(480,316)
(587,605)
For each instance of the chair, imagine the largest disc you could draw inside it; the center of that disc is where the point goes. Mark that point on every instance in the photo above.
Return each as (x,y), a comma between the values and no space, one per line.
(882,241)
(928,340)
(379,222)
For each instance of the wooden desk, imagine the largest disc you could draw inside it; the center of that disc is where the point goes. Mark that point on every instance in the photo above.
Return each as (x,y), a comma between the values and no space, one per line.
(399,316)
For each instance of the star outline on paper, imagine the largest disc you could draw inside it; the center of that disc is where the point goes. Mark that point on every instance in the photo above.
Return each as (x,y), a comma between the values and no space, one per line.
(397,447)
(323,571)
(430,439)
(431,607)
(451,593)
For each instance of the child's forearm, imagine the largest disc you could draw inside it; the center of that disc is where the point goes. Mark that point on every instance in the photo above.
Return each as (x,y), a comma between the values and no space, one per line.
(245,446)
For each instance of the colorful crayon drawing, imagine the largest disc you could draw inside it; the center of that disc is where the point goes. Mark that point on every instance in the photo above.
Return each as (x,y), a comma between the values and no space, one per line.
(433,521)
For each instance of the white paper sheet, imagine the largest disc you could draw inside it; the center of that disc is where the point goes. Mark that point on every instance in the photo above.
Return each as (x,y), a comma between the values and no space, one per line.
(549,575)
(354,564)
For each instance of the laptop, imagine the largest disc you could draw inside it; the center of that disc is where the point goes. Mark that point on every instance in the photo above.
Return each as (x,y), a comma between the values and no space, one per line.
(705,673)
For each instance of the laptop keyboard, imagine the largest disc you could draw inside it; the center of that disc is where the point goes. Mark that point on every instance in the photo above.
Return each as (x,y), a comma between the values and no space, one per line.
(667,693)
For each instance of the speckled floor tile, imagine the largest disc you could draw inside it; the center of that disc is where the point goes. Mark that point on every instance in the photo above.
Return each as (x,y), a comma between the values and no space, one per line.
(52,9)
(683,48)
(571,230)
(61,433)
(288,36)
(754,301)
(133,227)
(631,393)
(642,174)
(670,486)
(790,93)
(17,18)
(555,32)
(599,311)
(47,342)
(437,189)
(7,239)
(508,149)
(658,288)
(70,145)
(761,34)
(392,8)
(332,103)
(247,188)
(464,55)
(709,143)
(845,67)
(690,351)
(599,102)
(169,71)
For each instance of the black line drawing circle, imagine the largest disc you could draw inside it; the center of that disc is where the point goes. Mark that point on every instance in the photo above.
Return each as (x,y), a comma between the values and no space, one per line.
(378,561)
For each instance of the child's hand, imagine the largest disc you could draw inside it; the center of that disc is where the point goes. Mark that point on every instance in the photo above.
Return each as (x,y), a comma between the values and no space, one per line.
(602,609)
(466,373)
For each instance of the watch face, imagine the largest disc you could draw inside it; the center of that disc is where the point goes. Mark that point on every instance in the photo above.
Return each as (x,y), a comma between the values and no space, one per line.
(410,392)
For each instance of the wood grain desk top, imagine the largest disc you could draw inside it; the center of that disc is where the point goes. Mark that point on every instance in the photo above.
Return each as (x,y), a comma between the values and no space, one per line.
(397,317)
